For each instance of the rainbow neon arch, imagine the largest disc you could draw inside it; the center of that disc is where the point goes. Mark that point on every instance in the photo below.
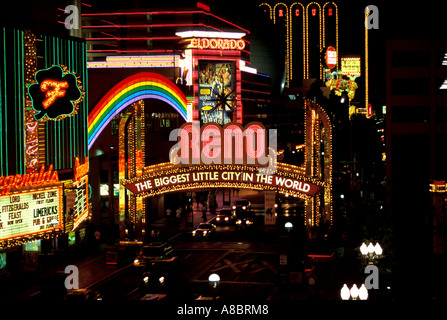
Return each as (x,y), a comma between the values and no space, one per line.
(144,85)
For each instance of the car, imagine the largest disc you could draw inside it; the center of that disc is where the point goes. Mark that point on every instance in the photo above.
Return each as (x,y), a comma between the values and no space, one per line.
(204,230)
(155,253)
(225,216)
(245,220)
(241,205)
(82,295)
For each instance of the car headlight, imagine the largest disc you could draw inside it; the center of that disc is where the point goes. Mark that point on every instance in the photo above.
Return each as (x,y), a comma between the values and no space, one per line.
(161,280)
(194,233)
(136,262)
(205,232)
(244,207)
(217,219)
(234,207)
(146,279)
(226,218)
(238,222)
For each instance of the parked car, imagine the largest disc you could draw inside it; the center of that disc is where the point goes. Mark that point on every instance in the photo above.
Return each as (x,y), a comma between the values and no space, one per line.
(225,216)
(83,295)
(204,230)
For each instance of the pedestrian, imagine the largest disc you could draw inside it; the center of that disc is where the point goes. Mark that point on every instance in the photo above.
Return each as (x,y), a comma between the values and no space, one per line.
(158,233)
(168,213)
(178,214)
(153,234)
(97,239)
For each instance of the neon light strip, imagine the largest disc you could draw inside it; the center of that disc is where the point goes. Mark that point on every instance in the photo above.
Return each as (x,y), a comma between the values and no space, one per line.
(140,86)
(210,34)
(132,38)
(167,25)
(131,64)
(162,12)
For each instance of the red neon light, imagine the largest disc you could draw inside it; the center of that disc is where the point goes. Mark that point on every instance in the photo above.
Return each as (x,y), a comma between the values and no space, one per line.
(54,93)
(211,142)
(329,11)
(320,255)
(260,141)
(134,38)
(229,131)
(297,12)
(32,179)
(187,144)
(203,6)
(281,12)
(163,12)
(206,146)
(314,11)
(138,13)
(166,25)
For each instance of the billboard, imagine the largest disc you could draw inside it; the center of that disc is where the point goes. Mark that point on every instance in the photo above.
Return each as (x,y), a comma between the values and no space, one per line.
(27,213)
(216,91)
(350,66)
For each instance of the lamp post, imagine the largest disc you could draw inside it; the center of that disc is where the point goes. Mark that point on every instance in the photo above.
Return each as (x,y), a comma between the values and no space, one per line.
(214,280)
(54,223)
(371,252)
(354,293)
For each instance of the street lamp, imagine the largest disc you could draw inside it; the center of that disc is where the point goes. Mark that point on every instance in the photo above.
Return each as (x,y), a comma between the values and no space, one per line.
(354,293)
(288,226)
(214,280)
(54,223)
(371,251)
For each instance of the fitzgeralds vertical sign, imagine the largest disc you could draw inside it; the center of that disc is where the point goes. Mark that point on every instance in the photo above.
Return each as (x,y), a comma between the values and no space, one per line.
(56,94)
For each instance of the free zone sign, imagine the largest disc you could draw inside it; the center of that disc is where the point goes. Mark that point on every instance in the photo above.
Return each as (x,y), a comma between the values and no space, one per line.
(27,213)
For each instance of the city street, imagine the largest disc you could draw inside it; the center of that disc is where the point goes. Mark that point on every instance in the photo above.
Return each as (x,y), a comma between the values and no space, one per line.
(249,263)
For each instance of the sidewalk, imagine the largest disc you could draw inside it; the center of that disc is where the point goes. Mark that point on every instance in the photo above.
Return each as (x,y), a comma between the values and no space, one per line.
(91,262)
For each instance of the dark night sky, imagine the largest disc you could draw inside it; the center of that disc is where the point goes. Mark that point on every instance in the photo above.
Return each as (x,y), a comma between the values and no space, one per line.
(397,20)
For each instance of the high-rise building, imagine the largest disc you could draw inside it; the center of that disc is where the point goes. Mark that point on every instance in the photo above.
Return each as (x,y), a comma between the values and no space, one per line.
(307,28)
(416,133)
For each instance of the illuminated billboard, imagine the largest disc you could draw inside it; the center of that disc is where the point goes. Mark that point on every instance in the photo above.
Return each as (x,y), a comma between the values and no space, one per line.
(216,91)
(28,213)
(350,66)
(55,94)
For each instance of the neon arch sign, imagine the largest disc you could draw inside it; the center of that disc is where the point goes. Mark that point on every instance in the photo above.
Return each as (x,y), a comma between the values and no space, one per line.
(230,144)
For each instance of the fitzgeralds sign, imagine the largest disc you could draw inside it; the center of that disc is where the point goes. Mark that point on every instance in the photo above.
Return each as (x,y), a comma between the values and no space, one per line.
(28,180)
(28,213)
(56,93)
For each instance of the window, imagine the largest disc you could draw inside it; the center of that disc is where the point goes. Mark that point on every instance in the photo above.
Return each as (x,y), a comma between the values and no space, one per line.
(410,58)
(441,114)
(410,114)
(414,86)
